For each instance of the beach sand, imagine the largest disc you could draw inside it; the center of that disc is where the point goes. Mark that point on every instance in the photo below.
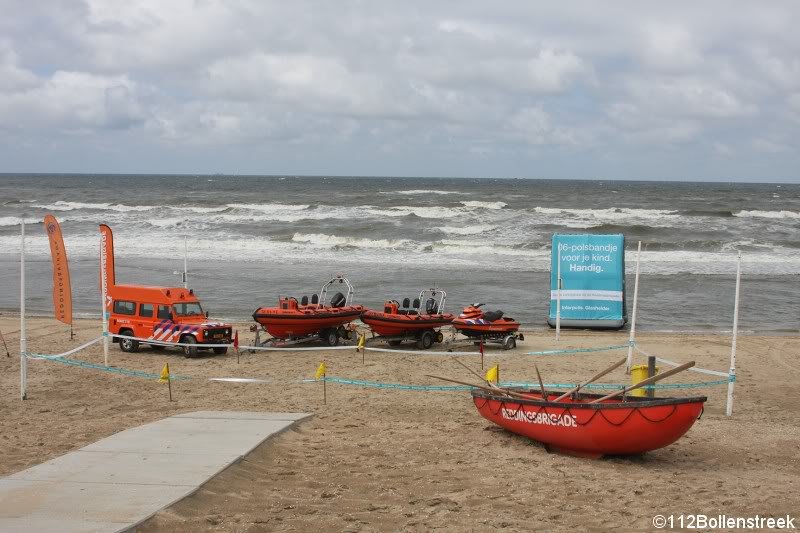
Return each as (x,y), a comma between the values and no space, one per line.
(376,459)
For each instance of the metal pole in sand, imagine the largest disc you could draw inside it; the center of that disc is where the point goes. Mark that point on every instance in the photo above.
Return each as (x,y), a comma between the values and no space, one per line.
(103,298)
(558,295)
(632,338)
(23,340)
(732,371)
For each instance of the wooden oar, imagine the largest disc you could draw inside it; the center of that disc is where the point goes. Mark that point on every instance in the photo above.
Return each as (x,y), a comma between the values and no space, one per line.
(503,391)
(648,381)
(541,385)
(482,378)
(592,379)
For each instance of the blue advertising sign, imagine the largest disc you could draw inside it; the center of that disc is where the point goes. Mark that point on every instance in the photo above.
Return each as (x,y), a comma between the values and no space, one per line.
(592,280)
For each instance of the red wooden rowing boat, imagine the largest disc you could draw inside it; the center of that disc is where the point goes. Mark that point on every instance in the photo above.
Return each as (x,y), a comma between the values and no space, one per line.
(576,427)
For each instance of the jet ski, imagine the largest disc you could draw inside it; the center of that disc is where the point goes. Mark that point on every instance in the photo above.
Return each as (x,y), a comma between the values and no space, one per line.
(410,321)
(312,318)
(490,326)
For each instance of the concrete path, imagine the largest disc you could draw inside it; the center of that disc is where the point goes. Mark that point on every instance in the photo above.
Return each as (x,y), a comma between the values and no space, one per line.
(122,480)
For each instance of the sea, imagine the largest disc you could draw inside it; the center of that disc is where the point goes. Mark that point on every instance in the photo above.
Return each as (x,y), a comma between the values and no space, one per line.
(249,239)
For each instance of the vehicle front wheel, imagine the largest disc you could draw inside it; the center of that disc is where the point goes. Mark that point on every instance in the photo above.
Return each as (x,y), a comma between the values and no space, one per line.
(128,345)
(189,351)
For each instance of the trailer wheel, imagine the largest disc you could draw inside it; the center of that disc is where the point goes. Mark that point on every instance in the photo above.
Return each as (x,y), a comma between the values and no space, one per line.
(331,337)
(189,351)
(425,340)
(128,345)
(343,332)
(509,343)
(439,336)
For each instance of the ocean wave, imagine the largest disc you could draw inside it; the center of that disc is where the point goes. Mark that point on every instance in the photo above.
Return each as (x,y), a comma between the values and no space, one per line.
(62,205)
(484,205)
(768,214)
(422,191)
(270,208)
(612,213)
(421,212)
(14,221)
(327,241)
(466,230)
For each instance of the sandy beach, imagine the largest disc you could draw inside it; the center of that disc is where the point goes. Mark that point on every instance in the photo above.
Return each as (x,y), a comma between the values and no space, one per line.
(378,460)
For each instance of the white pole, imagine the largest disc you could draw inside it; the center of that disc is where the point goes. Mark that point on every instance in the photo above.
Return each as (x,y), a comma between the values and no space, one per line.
(558,295)
(23,339)
(732,371)
(632,338)
(103,300)
(185,263)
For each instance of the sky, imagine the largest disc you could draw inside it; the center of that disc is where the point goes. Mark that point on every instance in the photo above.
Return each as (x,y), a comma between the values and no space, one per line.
(681,90)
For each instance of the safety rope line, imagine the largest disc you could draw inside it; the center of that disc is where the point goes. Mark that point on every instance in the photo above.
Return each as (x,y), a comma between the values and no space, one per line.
(673,363)
(65,354)
(579,350)
(113,370)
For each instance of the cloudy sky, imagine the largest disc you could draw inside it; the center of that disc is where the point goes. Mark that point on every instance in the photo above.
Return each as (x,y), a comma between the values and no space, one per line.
(651,90)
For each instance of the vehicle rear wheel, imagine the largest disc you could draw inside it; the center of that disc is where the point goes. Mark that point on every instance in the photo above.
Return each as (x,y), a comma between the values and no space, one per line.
(220,351)
(331,337)
(189,351)
(128,345)
(394,343)
(509,343)
(425,340)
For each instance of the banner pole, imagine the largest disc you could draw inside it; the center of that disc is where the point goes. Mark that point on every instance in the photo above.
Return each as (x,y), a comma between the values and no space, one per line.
(632,338)
(185,263)
(23,339)
(732,371)
(558,295)
(103,293)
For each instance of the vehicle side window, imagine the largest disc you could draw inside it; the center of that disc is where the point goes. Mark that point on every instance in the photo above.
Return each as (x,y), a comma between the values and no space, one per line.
(164,312)
(124,308)
(146,310)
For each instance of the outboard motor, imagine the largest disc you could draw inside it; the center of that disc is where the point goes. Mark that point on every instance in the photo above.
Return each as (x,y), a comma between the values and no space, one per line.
(338,300)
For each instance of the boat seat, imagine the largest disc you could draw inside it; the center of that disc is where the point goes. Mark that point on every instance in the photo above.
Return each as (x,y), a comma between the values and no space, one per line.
(416,303)
(314,299)
(406,303)
(304,300)
(491,316)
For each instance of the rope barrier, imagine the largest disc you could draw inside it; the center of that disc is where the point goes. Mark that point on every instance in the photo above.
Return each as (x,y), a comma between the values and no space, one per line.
(113,370)
(673,363)
(65,354)
(579,350)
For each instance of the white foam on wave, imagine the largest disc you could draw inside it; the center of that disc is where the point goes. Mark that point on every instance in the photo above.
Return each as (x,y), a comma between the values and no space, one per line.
(467,230)
(327,241)
(15,221)
(484,205)
(768,214)
(611,213)
(422,212)
(270,208)
(62,205)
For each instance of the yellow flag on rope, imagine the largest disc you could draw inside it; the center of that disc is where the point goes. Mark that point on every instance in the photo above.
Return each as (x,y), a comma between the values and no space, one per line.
(361,341)
(321,370)
(164,374)
(491,374)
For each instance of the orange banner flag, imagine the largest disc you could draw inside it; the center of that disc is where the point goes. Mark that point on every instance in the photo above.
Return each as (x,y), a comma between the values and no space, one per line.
(62,289)
(107,262)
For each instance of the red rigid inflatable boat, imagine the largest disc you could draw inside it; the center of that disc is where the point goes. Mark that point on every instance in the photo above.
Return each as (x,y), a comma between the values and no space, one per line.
(293,320)
(411,321)
(576,427)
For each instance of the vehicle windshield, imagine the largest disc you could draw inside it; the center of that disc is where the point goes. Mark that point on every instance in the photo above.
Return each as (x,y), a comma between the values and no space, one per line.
(188,309)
